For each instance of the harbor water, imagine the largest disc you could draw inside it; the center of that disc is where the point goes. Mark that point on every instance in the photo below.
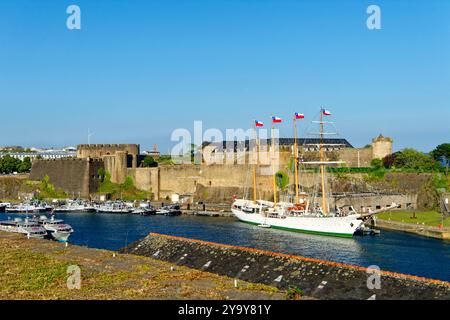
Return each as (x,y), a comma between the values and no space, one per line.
(391,251)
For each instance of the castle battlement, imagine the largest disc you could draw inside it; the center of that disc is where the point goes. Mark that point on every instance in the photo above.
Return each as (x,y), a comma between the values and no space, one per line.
(103,146)
(382,138)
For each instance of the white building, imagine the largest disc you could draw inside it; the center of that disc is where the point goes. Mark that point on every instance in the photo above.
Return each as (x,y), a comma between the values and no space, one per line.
(51,154)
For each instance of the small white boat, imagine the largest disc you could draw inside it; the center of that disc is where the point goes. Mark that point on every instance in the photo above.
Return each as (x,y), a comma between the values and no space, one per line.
(75,206)
(29,228)
(114,207)
(56,228)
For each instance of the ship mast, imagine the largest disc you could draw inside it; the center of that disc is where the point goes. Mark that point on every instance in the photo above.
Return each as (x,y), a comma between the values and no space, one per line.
(297,200)
(255,165)
(273,168)
(322,165)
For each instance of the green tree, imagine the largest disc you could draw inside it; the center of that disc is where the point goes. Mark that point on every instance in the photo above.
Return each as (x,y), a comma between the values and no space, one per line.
(282,180)
(25,165)
(101,174)
(442,153)
(149,162)
(376,163)
(389,160)
(416,160)
(9,164)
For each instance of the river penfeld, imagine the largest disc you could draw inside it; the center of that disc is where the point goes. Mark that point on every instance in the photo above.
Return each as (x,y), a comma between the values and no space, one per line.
(391,251)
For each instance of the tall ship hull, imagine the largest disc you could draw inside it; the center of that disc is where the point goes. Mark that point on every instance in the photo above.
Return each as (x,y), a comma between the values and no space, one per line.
(326,226)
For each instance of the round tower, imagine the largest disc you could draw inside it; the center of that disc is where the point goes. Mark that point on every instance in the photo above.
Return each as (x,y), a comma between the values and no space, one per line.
(381,147)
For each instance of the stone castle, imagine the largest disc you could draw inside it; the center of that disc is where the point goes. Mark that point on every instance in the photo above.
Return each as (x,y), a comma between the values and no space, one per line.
(79,177)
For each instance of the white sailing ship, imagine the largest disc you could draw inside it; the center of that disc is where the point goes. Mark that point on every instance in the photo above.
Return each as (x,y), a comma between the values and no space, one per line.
(305,215)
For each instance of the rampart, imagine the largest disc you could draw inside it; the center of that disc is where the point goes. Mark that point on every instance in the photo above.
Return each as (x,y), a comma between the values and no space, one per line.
(77,177)
(10,186)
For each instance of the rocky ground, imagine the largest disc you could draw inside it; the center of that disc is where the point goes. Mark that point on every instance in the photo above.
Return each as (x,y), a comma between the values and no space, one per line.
(37,269)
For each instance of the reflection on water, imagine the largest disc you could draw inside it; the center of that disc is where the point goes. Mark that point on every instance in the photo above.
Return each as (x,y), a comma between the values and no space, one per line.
(393,251)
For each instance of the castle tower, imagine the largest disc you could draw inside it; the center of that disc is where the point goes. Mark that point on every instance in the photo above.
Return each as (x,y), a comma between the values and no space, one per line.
(381,147)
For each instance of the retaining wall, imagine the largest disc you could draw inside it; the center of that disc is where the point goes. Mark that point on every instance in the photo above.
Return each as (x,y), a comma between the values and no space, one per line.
(318,278)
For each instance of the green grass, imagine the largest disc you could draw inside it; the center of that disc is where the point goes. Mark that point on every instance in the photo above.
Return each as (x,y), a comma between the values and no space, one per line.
(28,271)
(125,191)
(428,218)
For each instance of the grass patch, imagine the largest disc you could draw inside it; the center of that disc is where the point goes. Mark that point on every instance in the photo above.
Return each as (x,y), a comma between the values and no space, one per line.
(126,191)
(28,271)
(428,218)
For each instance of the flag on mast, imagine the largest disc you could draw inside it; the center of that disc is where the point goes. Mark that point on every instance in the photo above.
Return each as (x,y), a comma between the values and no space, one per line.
(326,112)
(276,119)
(259,123)
(299,116)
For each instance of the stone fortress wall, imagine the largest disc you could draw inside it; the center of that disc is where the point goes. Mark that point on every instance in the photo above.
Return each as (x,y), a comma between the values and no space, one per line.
(210,182)
(77,177)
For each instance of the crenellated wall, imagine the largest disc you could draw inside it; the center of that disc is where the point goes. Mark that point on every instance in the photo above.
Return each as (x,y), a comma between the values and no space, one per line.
(101,150)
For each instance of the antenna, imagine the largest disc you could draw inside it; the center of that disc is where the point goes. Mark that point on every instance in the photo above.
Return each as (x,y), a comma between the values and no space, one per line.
(89,135)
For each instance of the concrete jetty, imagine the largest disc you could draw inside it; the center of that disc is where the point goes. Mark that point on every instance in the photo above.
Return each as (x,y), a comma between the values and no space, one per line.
(421,230)
(317,278)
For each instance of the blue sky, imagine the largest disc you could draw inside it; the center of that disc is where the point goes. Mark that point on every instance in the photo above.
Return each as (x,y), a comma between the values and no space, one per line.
(137,70)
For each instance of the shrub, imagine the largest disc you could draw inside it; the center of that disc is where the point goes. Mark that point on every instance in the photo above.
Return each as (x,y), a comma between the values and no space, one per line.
(294,293)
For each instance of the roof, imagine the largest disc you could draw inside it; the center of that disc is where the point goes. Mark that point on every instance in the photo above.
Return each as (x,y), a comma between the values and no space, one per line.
(283,142)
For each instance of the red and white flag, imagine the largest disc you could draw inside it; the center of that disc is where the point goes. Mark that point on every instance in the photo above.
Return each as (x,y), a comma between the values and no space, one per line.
(326,112)
(299,116)
(259,123)
(276,119)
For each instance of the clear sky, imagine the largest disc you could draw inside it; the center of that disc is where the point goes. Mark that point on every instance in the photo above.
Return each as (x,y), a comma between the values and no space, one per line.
(137,70)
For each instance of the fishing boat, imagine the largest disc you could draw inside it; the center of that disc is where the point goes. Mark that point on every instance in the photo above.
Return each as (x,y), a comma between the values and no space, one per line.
(144,211)
(29,207)
(24,208)
(114,207)
(171,211)
(310,213)
(75,206)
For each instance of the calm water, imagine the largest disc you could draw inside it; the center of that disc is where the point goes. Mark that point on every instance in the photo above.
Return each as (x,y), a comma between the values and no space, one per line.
(393,251)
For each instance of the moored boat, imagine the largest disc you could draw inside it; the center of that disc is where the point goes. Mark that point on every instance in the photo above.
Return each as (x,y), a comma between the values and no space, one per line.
(310,213)
(114,207)
(75,206)
(28,227)
(56,228)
